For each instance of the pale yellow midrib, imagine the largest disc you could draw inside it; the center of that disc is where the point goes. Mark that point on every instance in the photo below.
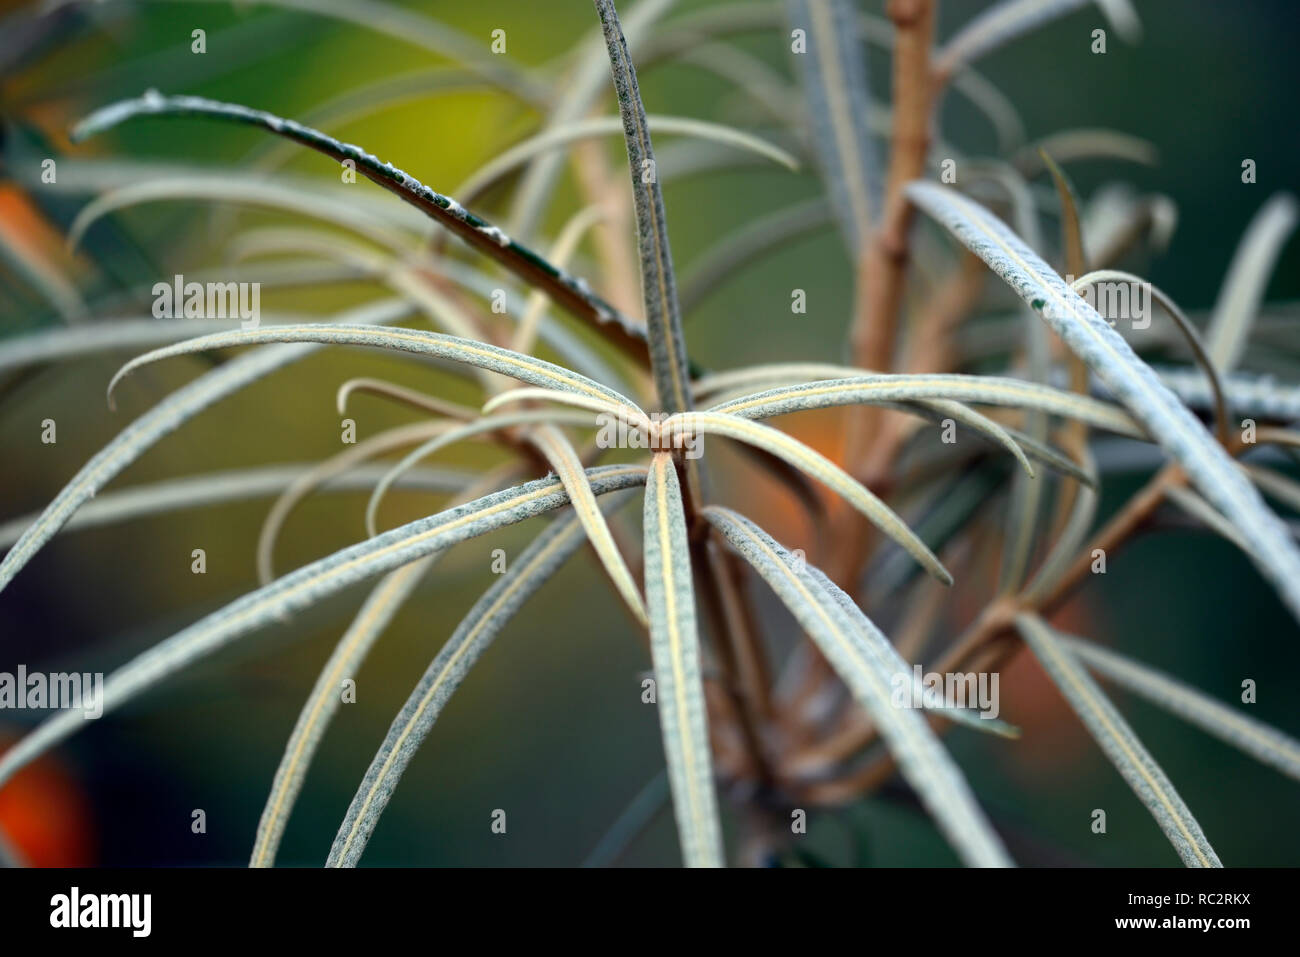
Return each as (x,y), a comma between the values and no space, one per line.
(561,458)
(506,593)
(359,631)
(878,686)
(783,446)
(675,651)
(1098,412)
(1155,688)
(1068,672)
(462,346)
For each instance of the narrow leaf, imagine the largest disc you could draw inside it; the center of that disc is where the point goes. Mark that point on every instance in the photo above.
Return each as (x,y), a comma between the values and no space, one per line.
(1119,743)
(219,488)
(980,390)
(555,137)
(658,286)
(442,438)
(582,87)
(324,701)
(563,458)
(820,468)
(1247,279)
(381,605)
(675,649)
(867,663)
(1261,741)
(166,417)
(415,341)
(352,455)
(308,585)
(490,614)
(997,26)
(571,293)
(834,73)
(1132,382)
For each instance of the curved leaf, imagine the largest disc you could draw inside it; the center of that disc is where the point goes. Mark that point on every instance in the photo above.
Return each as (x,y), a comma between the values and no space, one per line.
(217,488)
(820,468)
(571,293)
(1167,420)
(981,390)
(306,586)
(867,663)
(1261,741)
(563,458)
(166,417)
(416,341)
(1244,286)
(555,137)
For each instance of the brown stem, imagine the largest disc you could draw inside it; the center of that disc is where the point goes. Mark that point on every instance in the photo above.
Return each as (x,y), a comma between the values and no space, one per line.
(882,268)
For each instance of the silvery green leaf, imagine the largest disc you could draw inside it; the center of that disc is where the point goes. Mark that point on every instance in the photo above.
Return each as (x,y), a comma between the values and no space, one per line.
(1091,337)
(442,437)
(328,206)
(1000,24)
(217,488)
(166,417)
(582,87)
(1261,741)
(663,318)
(675,650)
(1066,548)
(569,292)
(979,390)
(1248,394)
(866,662)
(306,586)
(1247,279)
(1204,513)
(834,77)
(324,701)
(819,467)
(352,455)
(882,647)
(414,341)
(553,138)
(1119,743)
(1070,146)
(411,726)
(1276,486)
(103,335)
(564,460)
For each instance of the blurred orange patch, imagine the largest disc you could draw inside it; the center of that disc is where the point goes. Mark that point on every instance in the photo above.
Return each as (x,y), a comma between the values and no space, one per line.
(45,815)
